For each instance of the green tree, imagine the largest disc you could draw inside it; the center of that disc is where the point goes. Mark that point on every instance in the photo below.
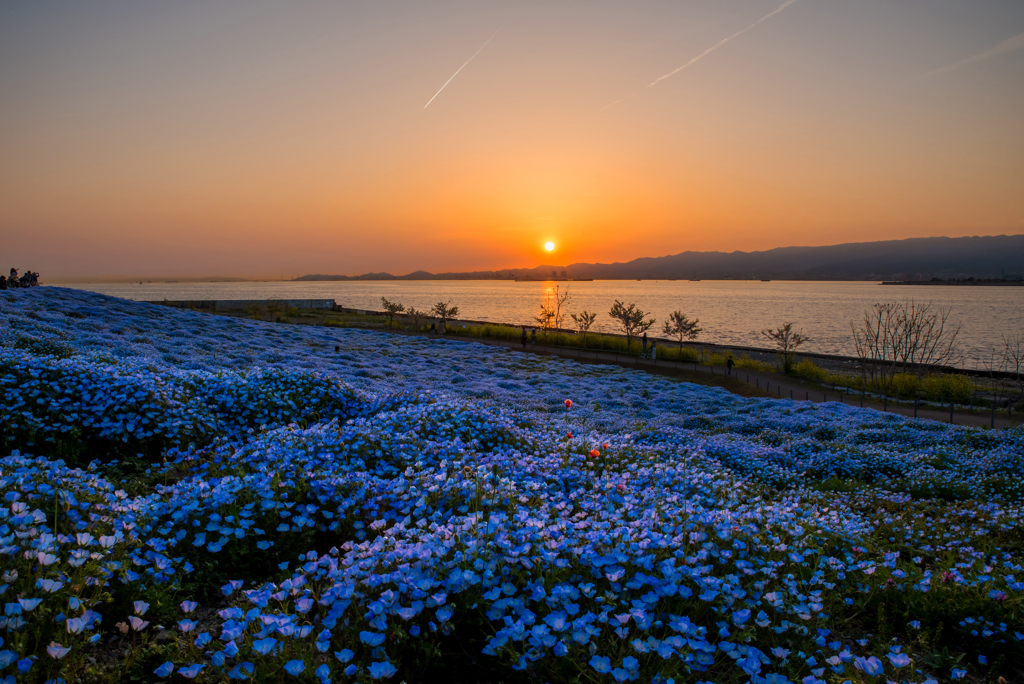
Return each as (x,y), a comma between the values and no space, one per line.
(443,311)
(787,340)
(583,321)
(390,309)
(631,320)
(681,327)
(546,316)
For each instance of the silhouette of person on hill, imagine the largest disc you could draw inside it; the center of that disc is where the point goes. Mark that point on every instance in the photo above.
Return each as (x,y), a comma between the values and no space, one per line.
(524,337)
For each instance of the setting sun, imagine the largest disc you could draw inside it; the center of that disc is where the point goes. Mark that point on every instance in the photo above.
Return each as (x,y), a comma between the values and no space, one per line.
(549,246)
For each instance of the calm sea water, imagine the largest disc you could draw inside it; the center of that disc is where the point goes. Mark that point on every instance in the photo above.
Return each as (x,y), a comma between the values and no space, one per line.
(731,312)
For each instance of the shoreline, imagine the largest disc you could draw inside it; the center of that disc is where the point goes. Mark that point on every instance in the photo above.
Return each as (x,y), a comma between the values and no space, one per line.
(833,362)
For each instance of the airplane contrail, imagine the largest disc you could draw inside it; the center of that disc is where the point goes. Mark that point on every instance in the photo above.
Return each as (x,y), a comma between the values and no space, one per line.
(721,43)
(467,62)
(1008,45)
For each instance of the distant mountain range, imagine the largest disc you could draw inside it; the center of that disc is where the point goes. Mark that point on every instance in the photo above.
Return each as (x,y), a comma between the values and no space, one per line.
(1000,256)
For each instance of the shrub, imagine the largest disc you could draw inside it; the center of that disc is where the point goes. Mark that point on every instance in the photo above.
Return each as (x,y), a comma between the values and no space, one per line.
(905,385)
(806,369)
(948,388)
(752,364)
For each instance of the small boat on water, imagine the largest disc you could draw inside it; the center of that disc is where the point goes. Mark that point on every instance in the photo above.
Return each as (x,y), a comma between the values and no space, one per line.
(694,280)
(766,280)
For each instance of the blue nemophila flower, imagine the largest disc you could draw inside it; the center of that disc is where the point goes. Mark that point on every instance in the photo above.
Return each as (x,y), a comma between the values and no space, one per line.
(459,493)
(57,651)
(382,670)
(243,670)
(740,616)
(601,664)
(371,638)
(899,659)
(344,655)
(191,671)
(28,605)
(164,670)
(323,673)
(870,666)
(264,646)
(295,667)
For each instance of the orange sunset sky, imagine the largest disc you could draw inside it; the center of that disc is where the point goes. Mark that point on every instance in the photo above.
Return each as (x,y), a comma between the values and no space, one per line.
(263,139)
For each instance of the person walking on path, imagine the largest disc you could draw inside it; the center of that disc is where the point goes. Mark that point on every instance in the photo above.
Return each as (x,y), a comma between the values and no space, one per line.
(643,352)
(524,337)
(729,363)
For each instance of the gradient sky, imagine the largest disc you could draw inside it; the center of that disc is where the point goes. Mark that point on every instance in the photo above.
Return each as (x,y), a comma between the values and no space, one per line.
(261,139)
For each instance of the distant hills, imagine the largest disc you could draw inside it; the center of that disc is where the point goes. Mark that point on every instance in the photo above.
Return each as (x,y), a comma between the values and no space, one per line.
(1000,256)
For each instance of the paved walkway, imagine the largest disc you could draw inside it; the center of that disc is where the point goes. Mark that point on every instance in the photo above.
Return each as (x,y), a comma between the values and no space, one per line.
(774,384)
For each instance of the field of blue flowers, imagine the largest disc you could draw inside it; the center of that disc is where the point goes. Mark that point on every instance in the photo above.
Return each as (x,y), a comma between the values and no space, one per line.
(209,498)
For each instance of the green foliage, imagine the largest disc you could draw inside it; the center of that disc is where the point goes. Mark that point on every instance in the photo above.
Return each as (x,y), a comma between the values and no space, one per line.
(681,327)
(631,320)
(443,311)
(787,340)
(390,309)
(583,321)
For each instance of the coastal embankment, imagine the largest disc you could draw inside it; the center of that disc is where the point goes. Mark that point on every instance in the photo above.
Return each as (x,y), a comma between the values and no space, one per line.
(755,374)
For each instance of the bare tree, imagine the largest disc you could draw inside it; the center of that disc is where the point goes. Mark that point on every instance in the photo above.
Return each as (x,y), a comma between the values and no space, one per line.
(254,310)
(390,309)
(681,327)
(583,321)
(875,341)
(551,308)
(905,336)
(415,317)
(631,320)
(995,363)
(560,299)
(444,311)
(272,308)
(787,340)
(1014,355)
